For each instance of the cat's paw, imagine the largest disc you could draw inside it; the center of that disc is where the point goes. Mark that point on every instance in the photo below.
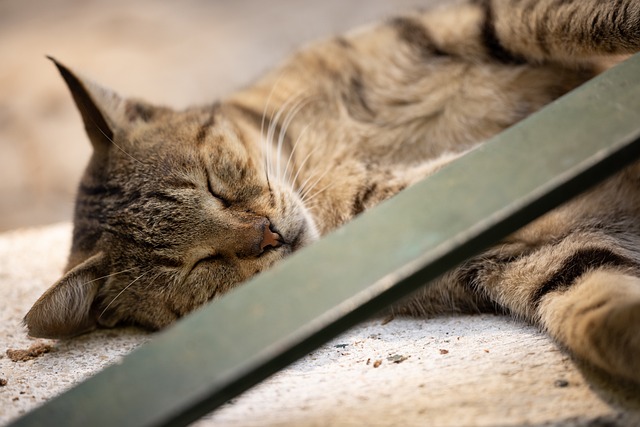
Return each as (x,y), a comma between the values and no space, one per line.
(598,320)
(616,341)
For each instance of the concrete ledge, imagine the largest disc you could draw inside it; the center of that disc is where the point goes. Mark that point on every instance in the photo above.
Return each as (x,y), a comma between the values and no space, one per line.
(457,371)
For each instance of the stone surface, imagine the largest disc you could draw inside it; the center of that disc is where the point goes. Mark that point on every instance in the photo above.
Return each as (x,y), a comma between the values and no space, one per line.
(453,371)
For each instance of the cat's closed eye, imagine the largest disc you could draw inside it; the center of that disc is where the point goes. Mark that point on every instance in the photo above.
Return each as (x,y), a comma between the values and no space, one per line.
(216,195)
(207,261)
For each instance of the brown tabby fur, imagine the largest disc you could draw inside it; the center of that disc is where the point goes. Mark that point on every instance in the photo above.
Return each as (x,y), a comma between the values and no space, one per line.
(177,207)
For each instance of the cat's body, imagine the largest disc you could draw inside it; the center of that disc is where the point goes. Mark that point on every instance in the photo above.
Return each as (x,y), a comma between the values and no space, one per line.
(177,207)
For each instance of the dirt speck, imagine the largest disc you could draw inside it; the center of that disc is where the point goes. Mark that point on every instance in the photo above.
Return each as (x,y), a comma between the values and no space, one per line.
(397,358)
(443,351)
(561,383)
(32,352)
(3,382)
(377,363)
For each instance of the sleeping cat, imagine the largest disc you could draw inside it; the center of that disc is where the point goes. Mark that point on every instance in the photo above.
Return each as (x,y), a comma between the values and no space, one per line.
(177,207)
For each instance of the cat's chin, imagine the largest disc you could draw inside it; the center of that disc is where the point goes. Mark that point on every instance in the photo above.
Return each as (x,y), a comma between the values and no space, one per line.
(302,228)
(304,238)
(307,234)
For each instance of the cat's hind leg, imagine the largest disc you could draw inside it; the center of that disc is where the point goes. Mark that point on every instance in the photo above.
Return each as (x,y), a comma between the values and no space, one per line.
(572,278)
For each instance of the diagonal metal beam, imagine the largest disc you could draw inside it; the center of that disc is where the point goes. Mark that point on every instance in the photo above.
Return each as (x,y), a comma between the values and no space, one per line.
(232,344)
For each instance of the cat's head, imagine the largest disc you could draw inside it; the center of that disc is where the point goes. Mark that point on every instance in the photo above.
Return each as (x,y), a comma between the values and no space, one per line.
(174,209)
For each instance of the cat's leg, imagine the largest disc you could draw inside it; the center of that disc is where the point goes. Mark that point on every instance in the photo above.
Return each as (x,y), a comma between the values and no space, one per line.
(598,319)
(562,30)
(582,288)
(521,31)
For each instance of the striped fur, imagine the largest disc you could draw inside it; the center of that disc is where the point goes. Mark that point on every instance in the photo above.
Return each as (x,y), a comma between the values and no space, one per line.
(177,207)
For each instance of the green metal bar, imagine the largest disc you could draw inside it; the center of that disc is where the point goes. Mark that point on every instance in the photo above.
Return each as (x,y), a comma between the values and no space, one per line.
(230,345)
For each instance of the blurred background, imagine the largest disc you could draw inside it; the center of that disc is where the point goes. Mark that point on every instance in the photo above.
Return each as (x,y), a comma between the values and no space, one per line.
(168,52)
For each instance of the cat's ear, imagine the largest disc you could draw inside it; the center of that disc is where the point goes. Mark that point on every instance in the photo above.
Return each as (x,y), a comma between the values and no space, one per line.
(65,309)
(102,110)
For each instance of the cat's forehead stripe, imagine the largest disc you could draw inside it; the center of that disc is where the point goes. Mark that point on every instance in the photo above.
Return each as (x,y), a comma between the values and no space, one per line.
(201,135)
(209,122)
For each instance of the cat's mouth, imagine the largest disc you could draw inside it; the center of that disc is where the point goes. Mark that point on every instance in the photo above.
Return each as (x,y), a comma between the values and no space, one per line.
(298,240)
(275,242)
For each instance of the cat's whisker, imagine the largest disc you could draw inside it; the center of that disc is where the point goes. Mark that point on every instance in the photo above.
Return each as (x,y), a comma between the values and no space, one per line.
(121,292)
(306,191)
(265,154)
(268,180)
(109,275)
(264,142)
(273,125)
(299,105)
(113,142)
(271,130)
(152,281)
(317,193)
(302,190)
(286,176)
(120,148)
(300,168)
(313,206)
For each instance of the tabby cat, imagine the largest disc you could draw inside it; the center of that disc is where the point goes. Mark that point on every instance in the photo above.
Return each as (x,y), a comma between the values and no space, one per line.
(178,207)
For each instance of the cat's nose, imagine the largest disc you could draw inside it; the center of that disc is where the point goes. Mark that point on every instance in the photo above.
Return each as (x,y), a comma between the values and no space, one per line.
(270,239)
